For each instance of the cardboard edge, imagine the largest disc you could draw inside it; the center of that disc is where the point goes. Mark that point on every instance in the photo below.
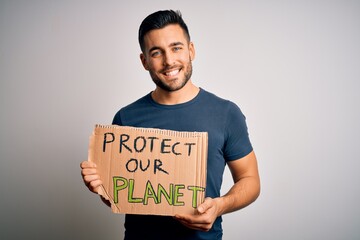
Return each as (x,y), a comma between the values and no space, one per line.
(102,192)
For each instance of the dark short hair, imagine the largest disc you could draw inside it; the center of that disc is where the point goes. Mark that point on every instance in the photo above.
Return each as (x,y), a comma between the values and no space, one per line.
(158,20)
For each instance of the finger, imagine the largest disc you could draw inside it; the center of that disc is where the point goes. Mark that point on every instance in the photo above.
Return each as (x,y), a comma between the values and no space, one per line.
(94,186)
(87,164)
(93,182)
(189,219)
(202,208)
(195,225)
(90,178)
(88,171)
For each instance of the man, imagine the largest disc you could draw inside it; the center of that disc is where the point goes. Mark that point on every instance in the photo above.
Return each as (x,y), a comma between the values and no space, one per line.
(177,104)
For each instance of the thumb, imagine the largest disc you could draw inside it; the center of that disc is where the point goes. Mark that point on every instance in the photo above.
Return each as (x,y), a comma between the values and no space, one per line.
(205,205)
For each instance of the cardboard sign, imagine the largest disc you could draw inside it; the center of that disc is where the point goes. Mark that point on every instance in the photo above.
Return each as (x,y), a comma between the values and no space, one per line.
(150,171)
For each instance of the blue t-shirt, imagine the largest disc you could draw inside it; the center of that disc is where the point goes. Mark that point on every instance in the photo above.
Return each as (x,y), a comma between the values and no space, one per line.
(227,140)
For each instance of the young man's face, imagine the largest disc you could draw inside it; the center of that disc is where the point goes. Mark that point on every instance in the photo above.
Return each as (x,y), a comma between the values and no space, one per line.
(167,56)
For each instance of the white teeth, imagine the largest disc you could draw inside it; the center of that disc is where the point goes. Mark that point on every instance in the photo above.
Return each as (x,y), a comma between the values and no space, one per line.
(172,73)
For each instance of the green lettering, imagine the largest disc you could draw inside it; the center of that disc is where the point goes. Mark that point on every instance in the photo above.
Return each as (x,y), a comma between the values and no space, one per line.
(131,199)
(195,190)
(178,194)
(118,188)
(168,196)
(149,193)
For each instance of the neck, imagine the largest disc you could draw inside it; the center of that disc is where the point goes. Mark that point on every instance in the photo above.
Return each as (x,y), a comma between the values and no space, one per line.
(185,94)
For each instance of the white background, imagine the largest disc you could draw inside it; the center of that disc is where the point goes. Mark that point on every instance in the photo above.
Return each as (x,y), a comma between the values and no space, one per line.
(293,67)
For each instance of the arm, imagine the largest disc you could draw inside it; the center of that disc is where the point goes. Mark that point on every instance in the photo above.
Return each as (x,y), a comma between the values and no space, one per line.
(245,190)
(91,178)
(247,184)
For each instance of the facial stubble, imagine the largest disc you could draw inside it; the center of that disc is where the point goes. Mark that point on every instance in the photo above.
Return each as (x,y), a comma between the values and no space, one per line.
(168,87)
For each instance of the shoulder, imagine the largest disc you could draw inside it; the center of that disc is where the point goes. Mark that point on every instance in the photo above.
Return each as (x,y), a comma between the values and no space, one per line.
(141,102)
(131,109)
(219,103)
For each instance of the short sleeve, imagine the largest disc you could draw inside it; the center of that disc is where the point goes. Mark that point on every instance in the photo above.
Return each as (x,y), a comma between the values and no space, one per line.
(117,119)
(237,142)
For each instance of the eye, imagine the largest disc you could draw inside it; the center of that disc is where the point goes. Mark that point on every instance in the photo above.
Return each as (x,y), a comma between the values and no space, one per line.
(155,53)
(176,49)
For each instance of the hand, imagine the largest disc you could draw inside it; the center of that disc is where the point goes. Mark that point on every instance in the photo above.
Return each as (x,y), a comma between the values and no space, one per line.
(90,176)
(203,221)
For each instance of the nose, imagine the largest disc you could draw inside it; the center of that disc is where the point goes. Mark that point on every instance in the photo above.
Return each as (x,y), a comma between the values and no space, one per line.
(168,59)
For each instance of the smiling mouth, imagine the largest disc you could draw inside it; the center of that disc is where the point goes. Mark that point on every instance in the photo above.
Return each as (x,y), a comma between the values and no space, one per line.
(172,73)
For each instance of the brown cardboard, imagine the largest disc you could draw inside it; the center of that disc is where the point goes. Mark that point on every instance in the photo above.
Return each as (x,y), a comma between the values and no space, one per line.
(150,171)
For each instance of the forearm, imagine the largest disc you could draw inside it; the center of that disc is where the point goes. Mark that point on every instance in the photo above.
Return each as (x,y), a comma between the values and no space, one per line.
(243,192)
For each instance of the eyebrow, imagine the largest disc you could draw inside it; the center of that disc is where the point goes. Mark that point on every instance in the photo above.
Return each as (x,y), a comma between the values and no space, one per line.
(170,45)
(176,44)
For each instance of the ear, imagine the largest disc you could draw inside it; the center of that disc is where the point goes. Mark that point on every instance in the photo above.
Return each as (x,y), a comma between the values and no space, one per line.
(143,61)
(192,51)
